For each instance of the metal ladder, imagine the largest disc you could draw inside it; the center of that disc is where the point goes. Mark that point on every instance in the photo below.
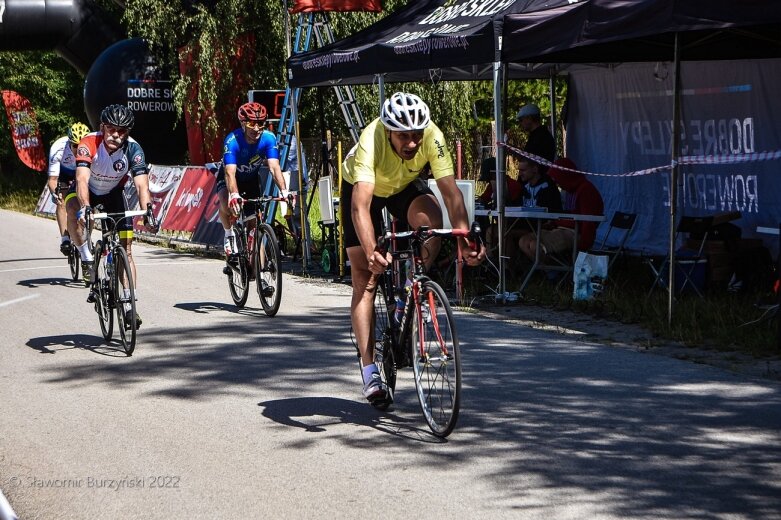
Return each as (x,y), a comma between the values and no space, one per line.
(309,27)
(315,26)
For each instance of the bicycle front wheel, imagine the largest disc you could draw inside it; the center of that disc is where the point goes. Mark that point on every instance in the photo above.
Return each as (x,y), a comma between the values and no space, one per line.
(383,343)
(238,269)
(125,300)
(74,261)
(268,276)
(436,360)
(103,296)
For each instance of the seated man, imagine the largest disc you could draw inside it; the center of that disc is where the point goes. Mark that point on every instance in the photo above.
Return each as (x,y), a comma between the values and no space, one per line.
(539,191)
(582,199)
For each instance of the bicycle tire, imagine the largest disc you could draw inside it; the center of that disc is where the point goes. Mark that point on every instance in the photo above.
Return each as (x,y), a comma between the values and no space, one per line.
(384,356)
(74,261)
(436,360)
(127,330)
(267,272)
(102,288)
(238,279)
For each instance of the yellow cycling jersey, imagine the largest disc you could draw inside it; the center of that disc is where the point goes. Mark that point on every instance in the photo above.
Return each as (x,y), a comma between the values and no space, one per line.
(373,160)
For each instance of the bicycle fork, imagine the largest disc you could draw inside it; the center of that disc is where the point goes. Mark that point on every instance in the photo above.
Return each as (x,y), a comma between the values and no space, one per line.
(423,316)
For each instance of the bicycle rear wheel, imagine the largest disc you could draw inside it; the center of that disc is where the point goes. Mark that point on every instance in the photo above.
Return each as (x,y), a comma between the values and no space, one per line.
(74,261)
(125,300)
(238,266)
(268,276)
(103,295)
(383,344)
(436,360)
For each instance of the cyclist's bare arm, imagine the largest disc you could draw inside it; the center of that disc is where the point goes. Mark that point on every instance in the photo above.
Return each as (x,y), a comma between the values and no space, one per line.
(362,220)
(276,172)
(82,185)
(142,187)
(456,210)
(230,179)
(51,183)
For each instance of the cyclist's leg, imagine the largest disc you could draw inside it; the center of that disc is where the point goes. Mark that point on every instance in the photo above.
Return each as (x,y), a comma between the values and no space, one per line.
(362,302)
(59,211)
(76,227)
(417,206)
(225,215)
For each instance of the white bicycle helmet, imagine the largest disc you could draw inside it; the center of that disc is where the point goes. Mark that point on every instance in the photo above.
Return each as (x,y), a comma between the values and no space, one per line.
(404,112)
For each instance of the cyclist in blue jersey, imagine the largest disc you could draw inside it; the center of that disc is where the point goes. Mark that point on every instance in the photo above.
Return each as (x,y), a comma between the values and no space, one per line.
(244,152)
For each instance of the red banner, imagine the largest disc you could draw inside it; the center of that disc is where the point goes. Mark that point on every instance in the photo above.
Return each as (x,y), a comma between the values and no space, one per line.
(24,130)
(189,200)
(308,6)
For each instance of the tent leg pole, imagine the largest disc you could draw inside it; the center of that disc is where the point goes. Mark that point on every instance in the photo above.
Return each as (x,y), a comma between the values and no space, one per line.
(553,128)
(498,84)
(676,145)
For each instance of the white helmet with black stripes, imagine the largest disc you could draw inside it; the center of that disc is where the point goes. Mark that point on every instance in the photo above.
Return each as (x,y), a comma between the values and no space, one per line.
(404,112)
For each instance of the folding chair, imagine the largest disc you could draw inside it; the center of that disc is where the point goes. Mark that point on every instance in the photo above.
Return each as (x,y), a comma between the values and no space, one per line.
(620,221)
(696,229)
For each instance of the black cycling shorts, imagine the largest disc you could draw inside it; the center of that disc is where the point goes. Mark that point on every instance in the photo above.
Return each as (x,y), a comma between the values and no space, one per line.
(112,202)
(248,189)
(397,206)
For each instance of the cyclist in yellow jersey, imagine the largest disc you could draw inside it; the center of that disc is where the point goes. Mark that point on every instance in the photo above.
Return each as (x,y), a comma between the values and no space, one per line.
(383,171)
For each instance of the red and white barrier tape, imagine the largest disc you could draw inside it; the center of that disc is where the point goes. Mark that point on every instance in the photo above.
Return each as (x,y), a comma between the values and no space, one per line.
(684,160)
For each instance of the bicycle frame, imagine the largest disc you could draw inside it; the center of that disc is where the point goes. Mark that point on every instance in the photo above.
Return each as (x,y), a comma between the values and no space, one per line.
(412,301)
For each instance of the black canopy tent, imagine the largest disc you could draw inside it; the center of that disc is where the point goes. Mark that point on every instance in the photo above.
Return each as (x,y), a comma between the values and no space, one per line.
(454,42)
(424,41)
(615,31)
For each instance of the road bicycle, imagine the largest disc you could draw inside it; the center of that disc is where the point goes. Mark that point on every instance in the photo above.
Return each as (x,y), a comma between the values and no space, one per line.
(113,288)
(74,261)
(414,326)
(255,255)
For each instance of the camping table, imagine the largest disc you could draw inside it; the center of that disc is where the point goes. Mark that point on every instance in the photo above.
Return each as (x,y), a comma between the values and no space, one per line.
(539,217)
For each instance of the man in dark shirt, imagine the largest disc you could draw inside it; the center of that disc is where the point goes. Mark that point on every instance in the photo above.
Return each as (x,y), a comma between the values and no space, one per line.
(539,191)
(540,141)
(583,198)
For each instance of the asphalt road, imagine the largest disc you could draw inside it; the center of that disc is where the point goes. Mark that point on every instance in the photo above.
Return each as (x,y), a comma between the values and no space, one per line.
(230,414)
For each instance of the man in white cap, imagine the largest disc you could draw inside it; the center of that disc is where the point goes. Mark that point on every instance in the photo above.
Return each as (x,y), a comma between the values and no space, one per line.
(540,141)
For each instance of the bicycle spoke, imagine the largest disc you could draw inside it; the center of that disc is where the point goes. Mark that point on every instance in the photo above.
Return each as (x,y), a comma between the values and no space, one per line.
(436,360)
(268,276)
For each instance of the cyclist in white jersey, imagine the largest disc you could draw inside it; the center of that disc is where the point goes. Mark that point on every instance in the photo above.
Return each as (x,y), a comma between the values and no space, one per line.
(104,160)
(62,172)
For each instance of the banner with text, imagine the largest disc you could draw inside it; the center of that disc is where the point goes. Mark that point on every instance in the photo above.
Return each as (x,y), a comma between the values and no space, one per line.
(209,230)
(620,120)
(188,201)
(163,181)
(24,130)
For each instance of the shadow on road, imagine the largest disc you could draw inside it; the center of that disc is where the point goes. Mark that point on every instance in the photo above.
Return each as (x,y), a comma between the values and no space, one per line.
(630,434)
(94,344)
(211,307)
(314,414)
(41,282)
(38,259)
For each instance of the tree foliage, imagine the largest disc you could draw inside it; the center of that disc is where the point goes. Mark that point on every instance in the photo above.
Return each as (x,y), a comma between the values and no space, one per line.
(54,90)
(209,34)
